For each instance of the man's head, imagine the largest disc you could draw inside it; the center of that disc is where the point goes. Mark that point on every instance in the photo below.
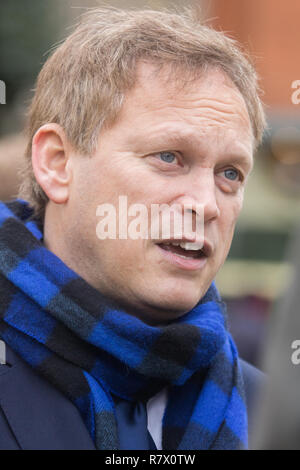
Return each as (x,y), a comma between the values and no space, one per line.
(155,107)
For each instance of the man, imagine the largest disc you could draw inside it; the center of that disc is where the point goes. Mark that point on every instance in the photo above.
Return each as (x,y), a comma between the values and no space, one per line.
(109,337)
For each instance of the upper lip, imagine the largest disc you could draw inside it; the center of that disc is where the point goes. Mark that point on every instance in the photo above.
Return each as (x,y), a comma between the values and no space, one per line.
(206,248)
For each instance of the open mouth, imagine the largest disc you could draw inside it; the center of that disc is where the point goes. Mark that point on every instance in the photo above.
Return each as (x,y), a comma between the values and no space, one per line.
(184,250)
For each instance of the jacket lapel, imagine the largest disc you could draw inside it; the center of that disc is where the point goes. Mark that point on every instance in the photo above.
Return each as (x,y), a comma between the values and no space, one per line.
(39,416)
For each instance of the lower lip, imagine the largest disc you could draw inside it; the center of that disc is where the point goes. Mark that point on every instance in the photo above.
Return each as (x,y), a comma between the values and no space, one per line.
(189,264)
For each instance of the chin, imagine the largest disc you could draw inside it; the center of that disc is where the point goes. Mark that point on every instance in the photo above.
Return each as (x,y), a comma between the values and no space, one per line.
(169,306)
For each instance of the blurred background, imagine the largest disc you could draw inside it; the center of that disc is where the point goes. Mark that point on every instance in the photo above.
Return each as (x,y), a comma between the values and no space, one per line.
(257,272)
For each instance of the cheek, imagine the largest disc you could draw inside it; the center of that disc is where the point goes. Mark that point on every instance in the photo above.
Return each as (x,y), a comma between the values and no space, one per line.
(230,215)
(233,206)
(237,206)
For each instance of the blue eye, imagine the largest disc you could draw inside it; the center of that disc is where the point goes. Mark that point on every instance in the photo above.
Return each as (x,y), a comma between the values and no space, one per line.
(231,174)
(167,157)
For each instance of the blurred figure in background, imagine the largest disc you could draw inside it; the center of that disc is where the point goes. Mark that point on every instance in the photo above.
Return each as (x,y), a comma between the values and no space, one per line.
(278,423)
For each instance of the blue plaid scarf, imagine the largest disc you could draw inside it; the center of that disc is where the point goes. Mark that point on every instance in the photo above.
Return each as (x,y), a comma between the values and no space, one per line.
(90,350)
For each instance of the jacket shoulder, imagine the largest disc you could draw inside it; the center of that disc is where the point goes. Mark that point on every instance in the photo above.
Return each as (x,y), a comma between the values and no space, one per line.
(254,382)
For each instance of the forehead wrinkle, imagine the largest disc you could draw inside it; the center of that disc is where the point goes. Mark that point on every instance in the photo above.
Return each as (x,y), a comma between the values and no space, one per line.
(204,109)
(203,96)
(170,91)
(151,103)
(180,126)
(207,115)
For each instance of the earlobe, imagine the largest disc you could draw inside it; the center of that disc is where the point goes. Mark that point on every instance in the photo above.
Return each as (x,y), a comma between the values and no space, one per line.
(50,161)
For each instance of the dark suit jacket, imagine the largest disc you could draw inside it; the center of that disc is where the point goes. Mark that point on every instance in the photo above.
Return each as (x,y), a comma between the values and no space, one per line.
(35,415)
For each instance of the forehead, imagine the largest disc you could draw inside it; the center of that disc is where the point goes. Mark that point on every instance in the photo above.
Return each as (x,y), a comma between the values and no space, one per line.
(168,92)
(169,107)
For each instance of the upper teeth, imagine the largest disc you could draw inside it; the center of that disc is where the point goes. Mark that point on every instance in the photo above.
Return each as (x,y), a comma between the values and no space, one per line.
(187,245)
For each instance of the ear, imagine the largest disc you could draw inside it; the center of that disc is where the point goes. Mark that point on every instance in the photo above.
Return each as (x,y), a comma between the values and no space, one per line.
(50,161)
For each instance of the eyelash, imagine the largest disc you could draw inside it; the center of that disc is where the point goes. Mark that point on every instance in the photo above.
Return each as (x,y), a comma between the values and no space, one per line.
(239,174)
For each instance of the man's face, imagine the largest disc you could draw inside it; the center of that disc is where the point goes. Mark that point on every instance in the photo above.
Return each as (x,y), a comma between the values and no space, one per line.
(169,145)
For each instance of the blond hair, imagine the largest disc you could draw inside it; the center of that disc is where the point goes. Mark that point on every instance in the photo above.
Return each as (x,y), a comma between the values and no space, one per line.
(82,85)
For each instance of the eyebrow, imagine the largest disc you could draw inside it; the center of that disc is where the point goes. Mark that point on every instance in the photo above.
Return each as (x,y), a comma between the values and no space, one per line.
(174,137)
(240,159)
(163,141)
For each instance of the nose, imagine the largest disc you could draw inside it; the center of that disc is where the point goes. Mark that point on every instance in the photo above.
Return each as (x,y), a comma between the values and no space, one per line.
(198,194)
